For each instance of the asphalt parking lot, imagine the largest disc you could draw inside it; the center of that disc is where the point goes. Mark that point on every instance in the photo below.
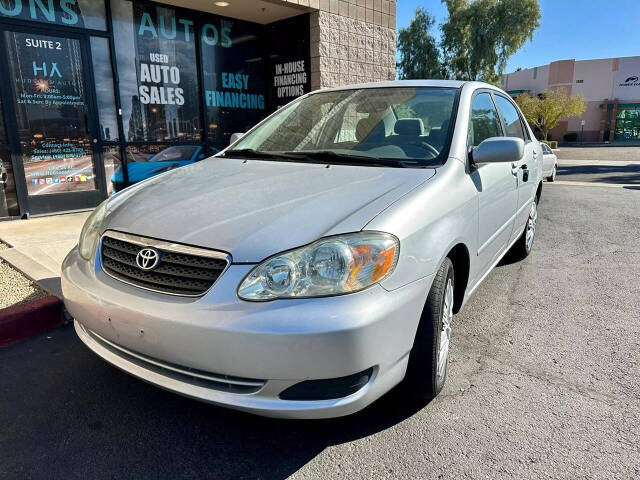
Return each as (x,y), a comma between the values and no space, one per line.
(544,383)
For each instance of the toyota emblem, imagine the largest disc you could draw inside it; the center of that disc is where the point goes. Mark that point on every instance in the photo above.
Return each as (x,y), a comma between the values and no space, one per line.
(148,258)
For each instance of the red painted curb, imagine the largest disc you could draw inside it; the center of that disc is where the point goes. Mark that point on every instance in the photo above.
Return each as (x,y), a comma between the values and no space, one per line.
(30,318)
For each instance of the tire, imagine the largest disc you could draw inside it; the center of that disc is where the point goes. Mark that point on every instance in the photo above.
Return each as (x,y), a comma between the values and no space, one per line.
(523,247)
(552,177)
(428,360)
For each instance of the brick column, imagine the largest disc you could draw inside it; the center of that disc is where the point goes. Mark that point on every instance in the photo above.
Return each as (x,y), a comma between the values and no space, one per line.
(614,115)
(603,118)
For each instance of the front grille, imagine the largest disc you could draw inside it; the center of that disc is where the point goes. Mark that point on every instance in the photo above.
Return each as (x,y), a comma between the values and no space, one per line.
(192,376)
(178,272)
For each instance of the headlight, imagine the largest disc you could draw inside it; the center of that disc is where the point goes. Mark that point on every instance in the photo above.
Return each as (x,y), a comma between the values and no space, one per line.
(91,231)
(330,266)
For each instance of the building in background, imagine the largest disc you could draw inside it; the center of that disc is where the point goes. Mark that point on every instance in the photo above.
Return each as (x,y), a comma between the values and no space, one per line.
(611,87)
(90,87)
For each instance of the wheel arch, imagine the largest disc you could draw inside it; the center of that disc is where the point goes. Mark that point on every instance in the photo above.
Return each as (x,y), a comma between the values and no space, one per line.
(539,192)
(459,256)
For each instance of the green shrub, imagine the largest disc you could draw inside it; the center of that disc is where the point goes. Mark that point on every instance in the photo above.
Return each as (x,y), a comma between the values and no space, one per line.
(570,137)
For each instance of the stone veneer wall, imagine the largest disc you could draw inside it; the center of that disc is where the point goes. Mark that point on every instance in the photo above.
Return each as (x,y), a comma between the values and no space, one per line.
(352,41)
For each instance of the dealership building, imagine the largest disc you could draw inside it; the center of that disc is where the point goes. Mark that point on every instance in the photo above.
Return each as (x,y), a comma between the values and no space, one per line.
(93,92)
(610,86)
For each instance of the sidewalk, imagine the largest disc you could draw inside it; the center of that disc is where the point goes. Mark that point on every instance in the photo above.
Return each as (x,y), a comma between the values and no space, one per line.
(39,245)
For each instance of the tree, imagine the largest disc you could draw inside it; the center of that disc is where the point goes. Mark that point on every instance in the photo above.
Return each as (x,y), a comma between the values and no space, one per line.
(546,110)
(479,36)
(419,53)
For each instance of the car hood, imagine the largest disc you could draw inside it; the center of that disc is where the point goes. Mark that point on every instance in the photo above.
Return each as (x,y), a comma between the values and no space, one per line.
(253,209)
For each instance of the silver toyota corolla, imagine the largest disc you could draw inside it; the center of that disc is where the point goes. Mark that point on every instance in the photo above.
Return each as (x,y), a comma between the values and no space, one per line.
(318,261)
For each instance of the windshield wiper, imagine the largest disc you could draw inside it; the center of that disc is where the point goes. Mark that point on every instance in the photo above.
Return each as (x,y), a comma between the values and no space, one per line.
(329,156)
(257,154)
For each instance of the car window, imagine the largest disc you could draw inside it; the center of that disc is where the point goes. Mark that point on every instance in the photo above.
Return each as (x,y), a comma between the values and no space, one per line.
(484,120)
(511,118)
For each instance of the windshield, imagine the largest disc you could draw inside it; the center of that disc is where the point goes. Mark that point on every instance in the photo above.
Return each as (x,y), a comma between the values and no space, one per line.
(184,152)
(408,126)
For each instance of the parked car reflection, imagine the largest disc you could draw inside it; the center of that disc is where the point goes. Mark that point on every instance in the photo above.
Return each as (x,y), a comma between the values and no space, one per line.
(167,159)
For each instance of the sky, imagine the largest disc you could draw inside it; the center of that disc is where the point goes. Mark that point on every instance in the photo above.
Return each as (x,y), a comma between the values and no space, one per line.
(569,29)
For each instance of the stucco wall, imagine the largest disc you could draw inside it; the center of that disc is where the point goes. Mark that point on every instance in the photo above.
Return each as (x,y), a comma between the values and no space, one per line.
(534,80)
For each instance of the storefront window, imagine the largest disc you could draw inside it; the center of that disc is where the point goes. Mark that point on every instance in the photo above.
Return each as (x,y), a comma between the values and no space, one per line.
(155,50)
(8,197)
(52,115)
(146,161)
(108,120)
(112,159)
(69,13)
(627,124)
(3,132)
(233,73)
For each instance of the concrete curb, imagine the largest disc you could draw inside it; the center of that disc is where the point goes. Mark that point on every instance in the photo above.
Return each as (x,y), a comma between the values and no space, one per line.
(29,319)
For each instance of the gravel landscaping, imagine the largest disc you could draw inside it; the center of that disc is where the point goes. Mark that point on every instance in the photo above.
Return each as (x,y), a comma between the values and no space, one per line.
(15,288)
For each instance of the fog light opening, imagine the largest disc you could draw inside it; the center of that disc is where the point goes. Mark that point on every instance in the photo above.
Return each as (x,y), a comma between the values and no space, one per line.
(328,389)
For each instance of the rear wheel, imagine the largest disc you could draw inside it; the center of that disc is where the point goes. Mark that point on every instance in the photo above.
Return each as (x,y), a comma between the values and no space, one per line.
(428,361)
(522,248)
(552,177)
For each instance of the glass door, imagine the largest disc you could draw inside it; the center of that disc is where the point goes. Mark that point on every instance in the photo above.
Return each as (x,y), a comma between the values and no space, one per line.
(54,120)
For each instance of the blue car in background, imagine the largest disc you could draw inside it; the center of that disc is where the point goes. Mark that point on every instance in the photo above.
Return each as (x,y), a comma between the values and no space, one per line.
(167,159)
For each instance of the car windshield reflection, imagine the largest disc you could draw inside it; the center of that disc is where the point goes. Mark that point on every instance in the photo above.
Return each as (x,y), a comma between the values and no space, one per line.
(406,126)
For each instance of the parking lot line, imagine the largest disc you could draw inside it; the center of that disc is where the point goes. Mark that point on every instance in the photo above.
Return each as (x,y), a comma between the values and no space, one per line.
(594,184)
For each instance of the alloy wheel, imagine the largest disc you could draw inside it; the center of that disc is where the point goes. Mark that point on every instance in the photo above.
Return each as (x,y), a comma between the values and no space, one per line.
(531,225)
(445,331)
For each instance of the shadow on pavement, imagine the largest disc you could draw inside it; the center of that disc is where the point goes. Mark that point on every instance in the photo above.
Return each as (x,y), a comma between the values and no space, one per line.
(66,413)
(629,174)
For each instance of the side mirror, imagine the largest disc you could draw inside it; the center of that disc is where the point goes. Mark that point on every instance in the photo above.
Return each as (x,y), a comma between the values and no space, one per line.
(235,137)
(498,150)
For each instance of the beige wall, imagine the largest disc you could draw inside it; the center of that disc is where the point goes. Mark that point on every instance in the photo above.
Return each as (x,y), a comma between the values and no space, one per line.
(352,42)
(524,80)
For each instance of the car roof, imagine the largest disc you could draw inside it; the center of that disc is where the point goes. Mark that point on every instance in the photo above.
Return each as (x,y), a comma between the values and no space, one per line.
(412,83)
(399,83)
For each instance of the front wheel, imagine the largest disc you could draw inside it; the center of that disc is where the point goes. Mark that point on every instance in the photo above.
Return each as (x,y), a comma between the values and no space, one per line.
(428,361)
(552,177)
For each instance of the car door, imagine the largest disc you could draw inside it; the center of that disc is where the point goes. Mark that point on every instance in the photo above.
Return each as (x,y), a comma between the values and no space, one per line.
(496,185)
(524,170)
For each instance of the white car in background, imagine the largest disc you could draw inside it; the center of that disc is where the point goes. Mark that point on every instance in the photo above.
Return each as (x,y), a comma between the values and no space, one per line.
(549,163)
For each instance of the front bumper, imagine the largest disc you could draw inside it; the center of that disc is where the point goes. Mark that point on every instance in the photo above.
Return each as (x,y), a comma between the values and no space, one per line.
(277,344)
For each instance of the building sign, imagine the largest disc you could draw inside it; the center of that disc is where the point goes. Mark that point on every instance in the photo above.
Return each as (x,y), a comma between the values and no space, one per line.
(70,13)
(289,61)
(51,109)
(626,81)
(290,79)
